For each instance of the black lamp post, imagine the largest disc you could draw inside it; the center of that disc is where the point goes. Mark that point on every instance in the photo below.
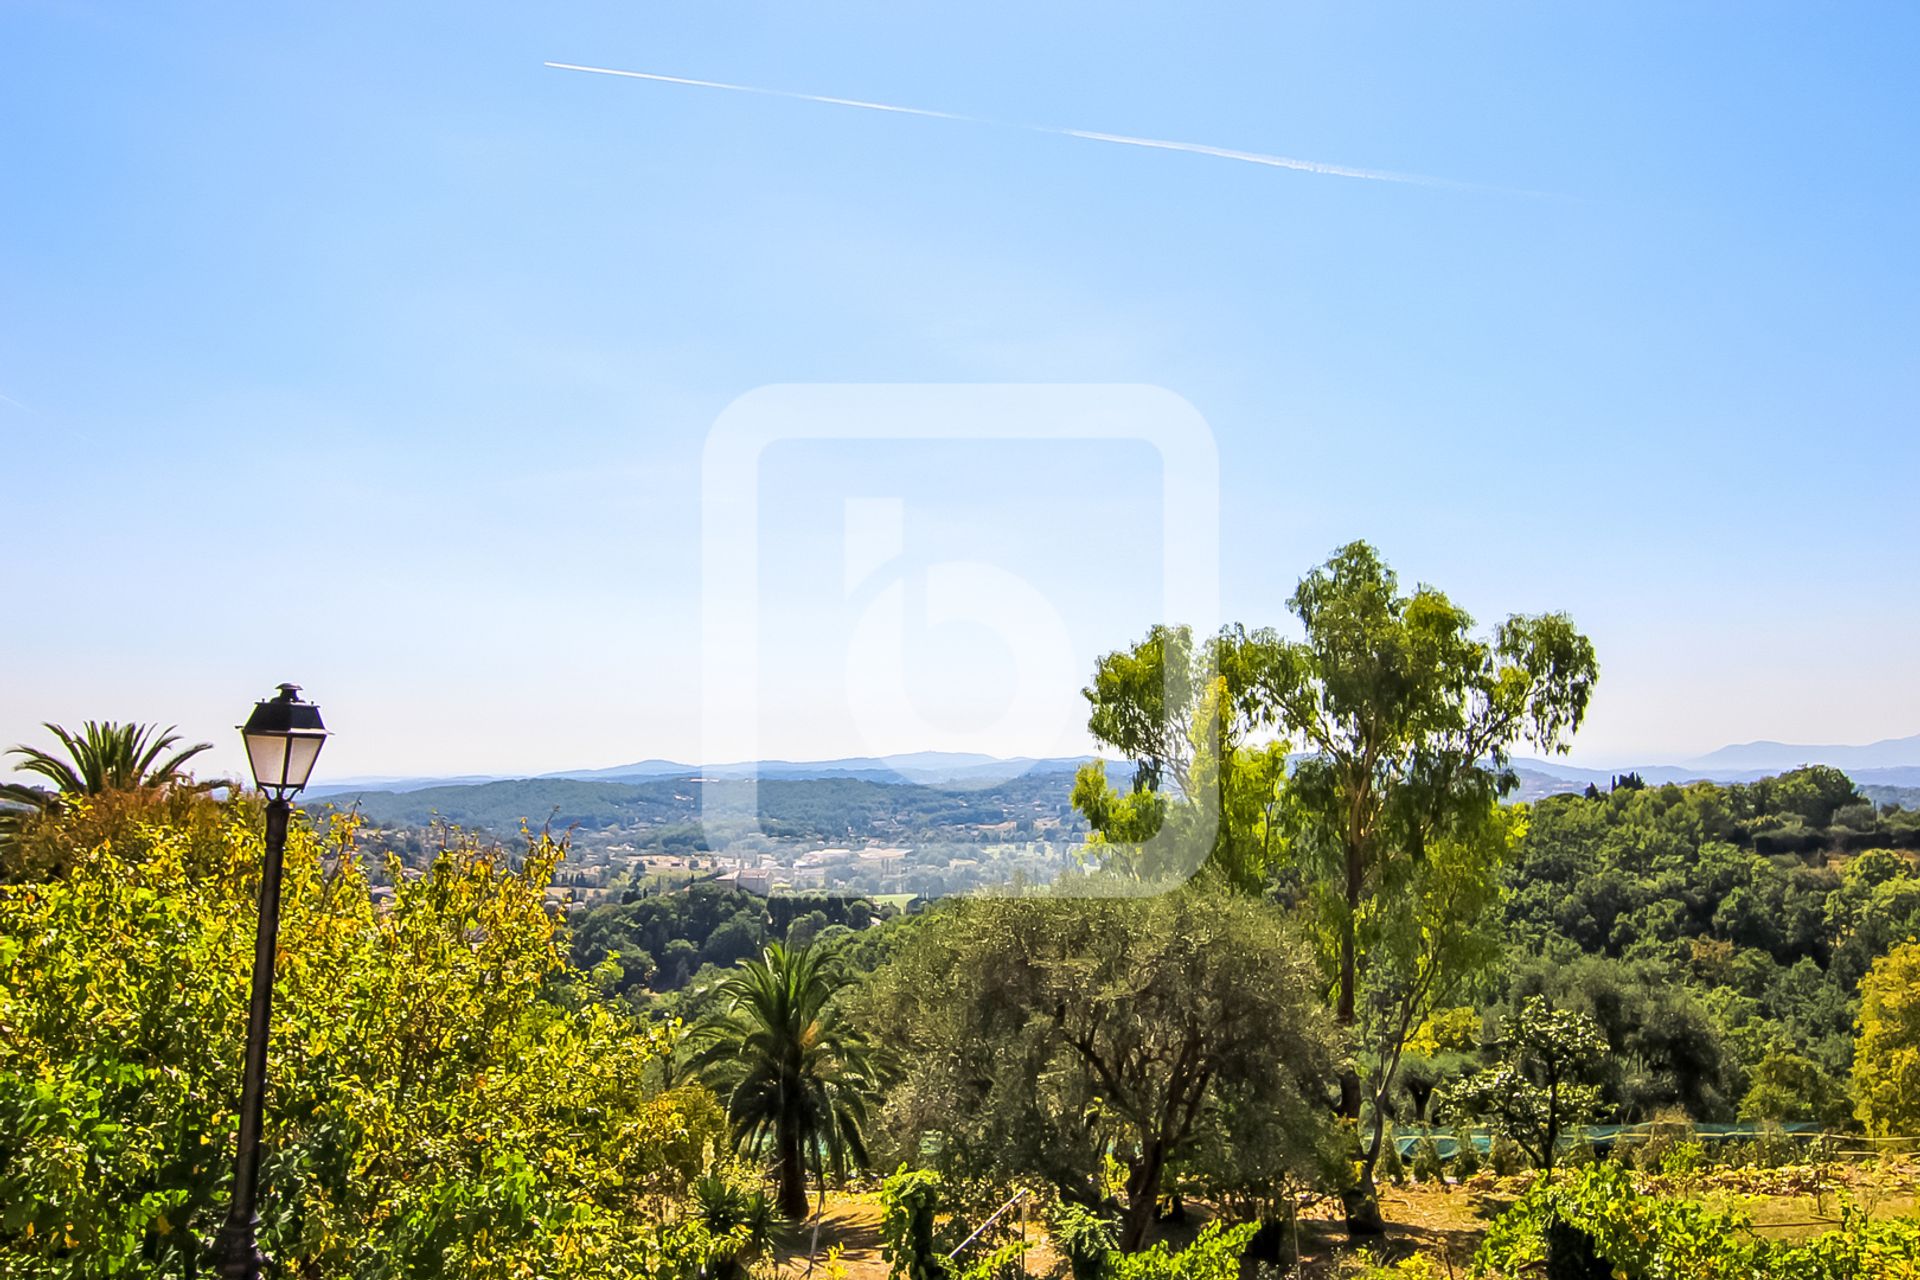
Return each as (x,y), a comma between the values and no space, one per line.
(283,739)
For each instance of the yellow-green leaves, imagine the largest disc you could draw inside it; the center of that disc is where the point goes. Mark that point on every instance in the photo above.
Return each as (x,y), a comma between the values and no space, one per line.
(1886,1059)
(434,1106)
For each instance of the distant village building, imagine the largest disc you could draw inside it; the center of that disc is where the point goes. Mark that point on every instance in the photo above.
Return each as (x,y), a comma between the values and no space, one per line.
(751,879)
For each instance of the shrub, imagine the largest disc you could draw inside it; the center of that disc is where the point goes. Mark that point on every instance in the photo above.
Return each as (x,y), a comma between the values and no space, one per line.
(1647,1237)
(1683,1159)
(1392,1167)
(1214,1255)
(1670,1128)
(1466,1156)
(1426,1160)
(740,1216)
(908,1199)
(1362,1264)
(1773,1146)
(1086,1239)
(447,1096)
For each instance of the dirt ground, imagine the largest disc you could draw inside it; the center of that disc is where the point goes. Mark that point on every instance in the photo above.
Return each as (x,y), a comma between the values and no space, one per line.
(1444,1222)
(1419,1219)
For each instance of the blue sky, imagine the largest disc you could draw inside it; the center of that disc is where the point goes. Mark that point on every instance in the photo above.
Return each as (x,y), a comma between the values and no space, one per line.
(350,344)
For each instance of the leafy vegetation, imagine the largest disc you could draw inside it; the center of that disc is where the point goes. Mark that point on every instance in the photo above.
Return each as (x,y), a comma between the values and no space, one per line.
(1308,931)
(1886,1070)
(102,757)
(1388,830)
(444,1097)
(794,1077)
(1098,1044)
(1538,1093)
(1597,1224)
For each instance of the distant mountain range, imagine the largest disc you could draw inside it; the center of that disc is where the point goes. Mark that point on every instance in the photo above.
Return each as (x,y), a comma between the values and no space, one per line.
(1772,757)
(927,768)
(1894,762)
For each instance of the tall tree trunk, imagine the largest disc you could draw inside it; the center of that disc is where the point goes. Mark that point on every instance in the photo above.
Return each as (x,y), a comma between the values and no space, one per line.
(1361,1201)
(1143,1193)
(792,1172)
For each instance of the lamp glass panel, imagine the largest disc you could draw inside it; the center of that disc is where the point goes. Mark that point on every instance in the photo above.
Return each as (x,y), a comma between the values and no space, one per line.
(302,751)
(267,753)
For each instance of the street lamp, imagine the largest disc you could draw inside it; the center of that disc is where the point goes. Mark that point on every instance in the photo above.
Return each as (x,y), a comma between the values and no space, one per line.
(283,738)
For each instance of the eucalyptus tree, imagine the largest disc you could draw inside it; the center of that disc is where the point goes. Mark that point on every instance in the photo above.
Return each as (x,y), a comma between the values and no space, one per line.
(1357,770)
(1406,721)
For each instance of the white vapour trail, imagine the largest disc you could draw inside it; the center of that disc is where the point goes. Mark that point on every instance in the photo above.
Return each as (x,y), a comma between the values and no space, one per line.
(1158,144)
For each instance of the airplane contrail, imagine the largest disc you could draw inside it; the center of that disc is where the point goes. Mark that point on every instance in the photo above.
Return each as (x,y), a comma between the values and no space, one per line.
(1157,144)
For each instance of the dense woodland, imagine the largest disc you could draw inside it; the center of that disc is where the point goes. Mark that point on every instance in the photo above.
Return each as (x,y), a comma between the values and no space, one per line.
(664,815)
(1311,948)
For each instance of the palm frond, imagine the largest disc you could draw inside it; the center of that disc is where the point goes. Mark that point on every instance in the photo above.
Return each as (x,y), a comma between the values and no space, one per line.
(109,756)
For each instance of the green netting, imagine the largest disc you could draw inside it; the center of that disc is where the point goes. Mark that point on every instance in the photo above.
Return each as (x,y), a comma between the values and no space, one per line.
(1604,1136)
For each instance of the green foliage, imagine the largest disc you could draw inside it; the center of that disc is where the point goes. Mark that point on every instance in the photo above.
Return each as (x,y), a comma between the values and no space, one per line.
(1886,1065)
(1540,1091)
(909,1198)
(720,926)
(739,1216)
(1427,1166)
(1505,1156)
(102,757)
(1042,1038)
(441,1101)
(1363,1264)
(1388,825)
(1466,1156)
(1214,1255)
(1786,1087)
(1724,978)
(105,756)
(1185,715)
(1085,1236)
(794,1076)
(1392,1168)
(1649,1238)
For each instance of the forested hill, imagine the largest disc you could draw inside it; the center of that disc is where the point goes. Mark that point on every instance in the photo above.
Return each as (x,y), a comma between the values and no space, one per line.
(811,808)
(1718,933)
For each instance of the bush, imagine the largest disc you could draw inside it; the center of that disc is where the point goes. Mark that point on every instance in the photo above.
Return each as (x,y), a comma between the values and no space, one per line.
(1426,1160)
(1084,1237)
(1774,1147)
(1363,1265)
(1643,1237)
(1505,1156)
(447,1096)
(1670,1128)
(740,1216)
(1392,1167)
(1683,1159)
(1466,1156)
(908,1200)
(1214,1255)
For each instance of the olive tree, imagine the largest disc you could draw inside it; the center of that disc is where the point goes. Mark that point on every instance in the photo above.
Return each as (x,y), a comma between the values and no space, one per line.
(1046,1037)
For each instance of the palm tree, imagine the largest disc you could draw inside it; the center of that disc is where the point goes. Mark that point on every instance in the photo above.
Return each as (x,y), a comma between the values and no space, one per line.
(791,1073)
(104,756)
